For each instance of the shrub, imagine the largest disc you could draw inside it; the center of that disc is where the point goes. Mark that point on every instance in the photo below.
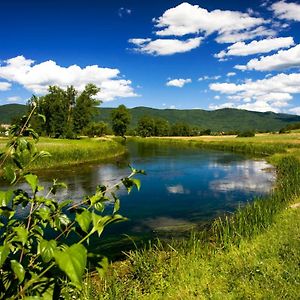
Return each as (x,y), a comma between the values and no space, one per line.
(249,133)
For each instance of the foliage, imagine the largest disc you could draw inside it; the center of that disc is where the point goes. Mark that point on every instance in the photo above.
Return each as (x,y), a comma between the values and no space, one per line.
(249,133)
(180,129)
(44,250)
(290,127)
(205,132)
(146,127)
(96,129)
(120,120)
(67,111)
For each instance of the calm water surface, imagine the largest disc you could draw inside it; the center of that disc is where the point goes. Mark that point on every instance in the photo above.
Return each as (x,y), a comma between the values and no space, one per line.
(183,186)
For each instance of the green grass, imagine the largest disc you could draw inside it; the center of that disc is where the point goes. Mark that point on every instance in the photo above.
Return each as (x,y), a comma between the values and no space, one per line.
(266,267)
(252,254)
(73,152)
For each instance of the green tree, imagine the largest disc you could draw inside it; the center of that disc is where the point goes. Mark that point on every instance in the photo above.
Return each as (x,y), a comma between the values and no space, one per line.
(85,107)
(181,129)
(96,129)
(67,111)
(120,120)
(162,127)
(146,126)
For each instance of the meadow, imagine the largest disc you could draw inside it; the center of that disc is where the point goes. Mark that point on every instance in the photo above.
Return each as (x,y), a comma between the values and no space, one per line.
(72,152)
(252,254)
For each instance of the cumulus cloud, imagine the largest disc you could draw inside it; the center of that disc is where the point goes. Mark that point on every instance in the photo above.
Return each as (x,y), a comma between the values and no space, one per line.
(165,46)
(5,86)
(37,77)
(262,46)
(286,11)
(192,19)
(269,94)
(178,82)
(283,59)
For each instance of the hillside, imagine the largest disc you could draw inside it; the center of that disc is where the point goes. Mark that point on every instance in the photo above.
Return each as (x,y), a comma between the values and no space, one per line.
(217,120)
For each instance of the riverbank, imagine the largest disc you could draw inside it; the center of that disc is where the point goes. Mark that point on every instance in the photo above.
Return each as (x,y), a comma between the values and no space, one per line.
(252,254)
(73,152)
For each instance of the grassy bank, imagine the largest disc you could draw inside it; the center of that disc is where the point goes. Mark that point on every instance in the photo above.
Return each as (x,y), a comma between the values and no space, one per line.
(253,254)
(73,152)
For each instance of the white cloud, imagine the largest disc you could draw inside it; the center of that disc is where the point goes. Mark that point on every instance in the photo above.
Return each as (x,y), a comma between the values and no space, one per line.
(283,59)
(13,99)
(286,11)
(269,94)
(5,86)
(295,110)
(217,97)
(192,19)
(262,46)
(230,74)
(165,46)
(37,77)
(216,77)
(178,82)
(236,36)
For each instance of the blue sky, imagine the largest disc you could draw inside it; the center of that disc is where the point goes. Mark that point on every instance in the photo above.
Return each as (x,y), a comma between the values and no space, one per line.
(163,54)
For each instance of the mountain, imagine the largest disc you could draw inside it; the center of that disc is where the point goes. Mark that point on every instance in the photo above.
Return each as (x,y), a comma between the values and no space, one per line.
(218,120)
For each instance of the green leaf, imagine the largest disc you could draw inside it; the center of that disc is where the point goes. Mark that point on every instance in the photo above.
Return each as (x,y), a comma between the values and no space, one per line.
(4,252)
(137,183)
(103,266)
(116,206)
(56,185)
(72,261)
(100,222)
(32,180)
(9,174)
(46,249)
(42,117)
(6,197)
(84,220)
(22,234)
(18,270)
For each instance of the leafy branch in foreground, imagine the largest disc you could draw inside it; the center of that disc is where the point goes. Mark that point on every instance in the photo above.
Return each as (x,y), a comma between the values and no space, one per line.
(43,241)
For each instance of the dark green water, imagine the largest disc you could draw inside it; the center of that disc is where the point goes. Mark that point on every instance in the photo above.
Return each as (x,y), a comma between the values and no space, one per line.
(183,187)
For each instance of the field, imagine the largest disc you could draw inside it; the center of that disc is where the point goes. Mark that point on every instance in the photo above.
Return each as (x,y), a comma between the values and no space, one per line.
(70,152)
(253,254)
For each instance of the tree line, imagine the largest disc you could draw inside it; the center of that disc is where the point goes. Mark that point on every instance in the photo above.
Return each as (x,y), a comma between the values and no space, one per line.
(70,113)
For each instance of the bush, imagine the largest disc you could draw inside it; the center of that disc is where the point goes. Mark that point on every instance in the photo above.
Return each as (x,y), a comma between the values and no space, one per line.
(249,133)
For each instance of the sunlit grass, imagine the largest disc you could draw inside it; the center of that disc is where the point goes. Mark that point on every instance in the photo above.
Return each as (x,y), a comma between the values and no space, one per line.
(72,152)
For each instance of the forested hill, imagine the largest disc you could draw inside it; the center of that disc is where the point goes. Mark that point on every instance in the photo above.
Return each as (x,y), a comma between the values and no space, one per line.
(218,120)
